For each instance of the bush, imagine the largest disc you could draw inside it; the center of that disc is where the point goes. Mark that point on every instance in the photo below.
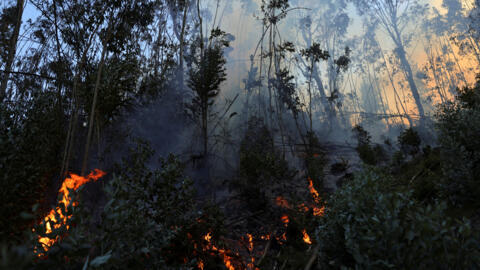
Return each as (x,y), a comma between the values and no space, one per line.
(142,225)
(459,130)
(369,225)
(261,166)
(409,141)
(31,139)
(368,153)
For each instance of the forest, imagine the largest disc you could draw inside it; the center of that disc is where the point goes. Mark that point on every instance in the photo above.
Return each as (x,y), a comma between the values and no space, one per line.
(240,134)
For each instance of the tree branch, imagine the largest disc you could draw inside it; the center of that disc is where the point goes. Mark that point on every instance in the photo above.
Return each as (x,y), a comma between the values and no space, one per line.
(28,74)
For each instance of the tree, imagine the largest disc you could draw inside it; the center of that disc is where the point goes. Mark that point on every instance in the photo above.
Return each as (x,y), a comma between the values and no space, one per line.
(394,16)
(11,16)
(324,27)
(206,74)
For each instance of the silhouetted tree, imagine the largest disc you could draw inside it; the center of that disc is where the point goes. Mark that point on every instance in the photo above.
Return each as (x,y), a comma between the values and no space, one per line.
(206,74)
(393,16)
(10,18)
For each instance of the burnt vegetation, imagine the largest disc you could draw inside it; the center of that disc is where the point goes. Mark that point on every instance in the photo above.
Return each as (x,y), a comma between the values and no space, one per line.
(132,136)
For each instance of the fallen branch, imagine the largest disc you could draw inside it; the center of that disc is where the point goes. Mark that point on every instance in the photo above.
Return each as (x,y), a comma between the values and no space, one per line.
(312,259)
(265,251)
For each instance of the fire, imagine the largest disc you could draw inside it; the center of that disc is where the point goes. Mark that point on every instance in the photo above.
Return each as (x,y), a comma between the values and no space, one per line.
(317,211)
(74,182)
(313,191)
(265,237)
(250,242)
(227,260)
(282,202)
(208,237)
(306,237)
(285,220)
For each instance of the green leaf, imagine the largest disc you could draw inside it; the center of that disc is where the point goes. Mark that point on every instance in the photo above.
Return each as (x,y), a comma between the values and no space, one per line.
(101,259)
(26,215)
(85,266)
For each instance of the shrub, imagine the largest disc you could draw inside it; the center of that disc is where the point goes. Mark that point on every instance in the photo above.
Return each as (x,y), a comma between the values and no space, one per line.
(368,153)
(261,166)
(409,141)
(459,130)
(369,225)
(31,139)
(140,226)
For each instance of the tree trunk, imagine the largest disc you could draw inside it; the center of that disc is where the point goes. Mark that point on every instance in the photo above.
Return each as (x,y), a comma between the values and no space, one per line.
(92,111)
(411,82)
(402,55)
(182,45)
(205,127)
(12,50)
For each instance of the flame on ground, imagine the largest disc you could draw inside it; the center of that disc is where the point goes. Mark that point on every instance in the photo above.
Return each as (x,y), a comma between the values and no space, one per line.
(317,211)
(227,259)
(73,182)
(285,220)
(306,237)
(250,242)
(282,202)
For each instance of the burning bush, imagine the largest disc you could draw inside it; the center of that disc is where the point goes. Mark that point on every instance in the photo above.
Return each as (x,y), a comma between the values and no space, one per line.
(144,221)
(30,146)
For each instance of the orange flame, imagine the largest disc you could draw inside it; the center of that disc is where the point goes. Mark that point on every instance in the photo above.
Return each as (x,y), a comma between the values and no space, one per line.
(74,182)
(227,260)
(250,242)
(306,237)
(265,237)
(317,211)
(313,191)
(285,220)
(208,237)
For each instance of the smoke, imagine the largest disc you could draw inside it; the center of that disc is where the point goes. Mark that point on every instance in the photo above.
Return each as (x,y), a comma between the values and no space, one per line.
(374,91)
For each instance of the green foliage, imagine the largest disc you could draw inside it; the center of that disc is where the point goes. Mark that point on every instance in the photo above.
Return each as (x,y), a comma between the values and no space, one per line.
(16,257)
(261,165)
(143,207)
(286,91)
(314,53)
(458,130)
(409,141)
(315,160)
(207,71)
(422,174)
(8,17)
(143,223)
(368,153)
(206,75)
(117,90)
(370,225)
(31,138)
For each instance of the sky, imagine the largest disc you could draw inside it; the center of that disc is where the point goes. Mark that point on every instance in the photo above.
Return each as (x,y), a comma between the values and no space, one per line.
(246,28)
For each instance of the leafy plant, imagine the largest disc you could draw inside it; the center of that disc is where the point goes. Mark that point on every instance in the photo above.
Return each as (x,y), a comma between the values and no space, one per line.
(409,141)
(368,153)
(370,225)
(458,128)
